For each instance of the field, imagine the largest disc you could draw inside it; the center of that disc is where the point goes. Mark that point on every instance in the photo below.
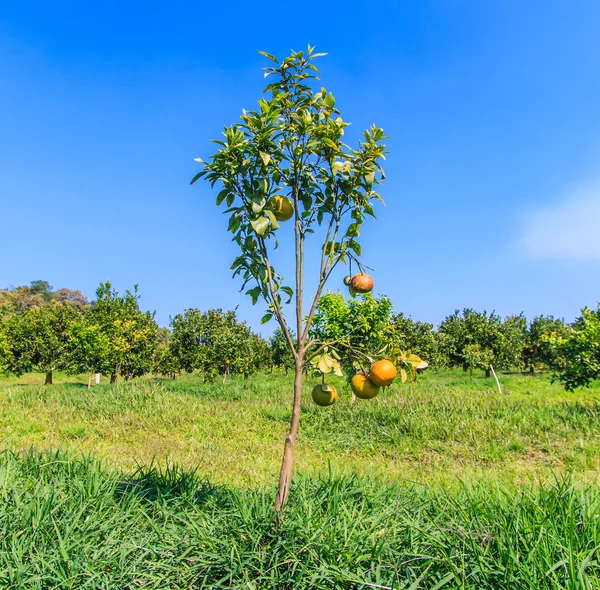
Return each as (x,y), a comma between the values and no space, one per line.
(168,484)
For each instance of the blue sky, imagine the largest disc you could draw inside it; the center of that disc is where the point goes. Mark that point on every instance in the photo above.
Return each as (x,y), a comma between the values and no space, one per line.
(493,188)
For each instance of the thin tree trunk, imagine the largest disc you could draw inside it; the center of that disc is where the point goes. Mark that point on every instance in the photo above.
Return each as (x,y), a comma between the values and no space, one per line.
(465,367)
(90,381)
(285,476)
(113,377)
(488,373)
(531,369)
(48,378)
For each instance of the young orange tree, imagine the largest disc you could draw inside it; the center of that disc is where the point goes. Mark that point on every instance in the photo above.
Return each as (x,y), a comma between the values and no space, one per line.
(287,162)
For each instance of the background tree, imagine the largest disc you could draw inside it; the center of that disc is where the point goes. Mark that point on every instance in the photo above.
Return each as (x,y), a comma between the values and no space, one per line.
(539,350)
(579,351)
(130,333)
(360,324)
(281,355)
(89,348)
(165,359)
(39,339)
(469,338)
(420,338)
(206,341)
(38,294)
(287,160)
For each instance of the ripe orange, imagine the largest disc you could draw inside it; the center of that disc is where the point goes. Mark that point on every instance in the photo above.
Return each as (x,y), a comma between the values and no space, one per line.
(382,373)
(363,387)
(324,395)
(362,283)
(227,362)
(283,208)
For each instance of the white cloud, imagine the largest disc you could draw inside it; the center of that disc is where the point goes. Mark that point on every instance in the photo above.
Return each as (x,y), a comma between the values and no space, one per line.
(569,229)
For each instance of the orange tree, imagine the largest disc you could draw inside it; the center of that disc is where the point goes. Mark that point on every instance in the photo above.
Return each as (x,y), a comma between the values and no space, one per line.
(287,161)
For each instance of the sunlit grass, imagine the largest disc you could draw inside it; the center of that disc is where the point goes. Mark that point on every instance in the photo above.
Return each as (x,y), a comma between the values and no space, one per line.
(448,427)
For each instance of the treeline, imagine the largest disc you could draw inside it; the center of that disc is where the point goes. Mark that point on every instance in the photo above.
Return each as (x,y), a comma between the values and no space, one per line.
(473,340)
(44,330)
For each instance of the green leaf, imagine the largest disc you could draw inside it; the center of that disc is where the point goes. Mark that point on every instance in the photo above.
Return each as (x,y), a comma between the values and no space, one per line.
(258,207)
(331,144)
(355,246)
(288,291)
(254,294)
(199,175)
(266,318)
(222,195)
(260,225)
(271,57)
(272,219)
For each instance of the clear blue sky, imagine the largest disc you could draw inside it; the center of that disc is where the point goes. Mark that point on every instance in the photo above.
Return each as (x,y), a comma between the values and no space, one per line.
(492,108)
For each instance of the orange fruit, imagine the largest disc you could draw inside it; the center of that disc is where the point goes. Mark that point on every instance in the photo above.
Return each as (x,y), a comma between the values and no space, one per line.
(347,280)
(362,283)
(324,395)
(363,387)
(383,373)
(227,362)
(283,208)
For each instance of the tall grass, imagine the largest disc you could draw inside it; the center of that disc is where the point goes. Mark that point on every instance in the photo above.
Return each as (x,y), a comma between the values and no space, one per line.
(67,522)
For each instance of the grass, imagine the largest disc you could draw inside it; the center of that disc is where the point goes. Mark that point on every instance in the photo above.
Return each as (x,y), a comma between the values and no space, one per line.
(450,426)
(169,484)
(67,522)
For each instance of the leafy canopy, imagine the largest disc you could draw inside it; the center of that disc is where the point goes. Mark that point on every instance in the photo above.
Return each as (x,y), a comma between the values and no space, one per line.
(292,147)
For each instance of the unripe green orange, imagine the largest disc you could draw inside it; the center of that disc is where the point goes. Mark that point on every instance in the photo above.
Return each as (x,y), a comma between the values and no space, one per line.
(324,394)
(283,208)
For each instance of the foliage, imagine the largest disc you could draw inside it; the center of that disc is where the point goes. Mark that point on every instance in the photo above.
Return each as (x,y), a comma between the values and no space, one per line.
(206,341)
(281,354)
(540,350)
(38,294)
(420,338)
(165,359)
(360,327)
(580,351)
(122,339)
(293,147)
(473,339)
(39,338)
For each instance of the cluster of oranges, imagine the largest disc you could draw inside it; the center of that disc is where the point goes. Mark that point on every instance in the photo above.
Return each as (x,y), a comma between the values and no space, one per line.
(382,374)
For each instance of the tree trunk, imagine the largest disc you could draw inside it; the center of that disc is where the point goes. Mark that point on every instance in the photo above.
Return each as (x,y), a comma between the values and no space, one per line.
(285,476)
(531,369)
(465,367)
(286,370)
(48,378)
(90,381)
(113,377)
(488,373)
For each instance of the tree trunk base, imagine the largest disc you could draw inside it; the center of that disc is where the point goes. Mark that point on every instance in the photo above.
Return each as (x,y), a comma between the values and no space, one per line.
(48,380)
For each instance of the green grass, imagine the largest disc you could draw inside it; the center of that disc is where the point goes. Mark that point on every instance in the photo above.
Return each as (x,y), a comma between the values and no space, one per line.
(450,426)
(169,484)
(68,523)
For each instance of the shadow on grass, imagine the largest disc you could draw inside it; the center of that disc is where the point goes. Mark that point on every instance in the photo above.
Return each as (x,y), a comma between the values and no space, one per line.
(152,483)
